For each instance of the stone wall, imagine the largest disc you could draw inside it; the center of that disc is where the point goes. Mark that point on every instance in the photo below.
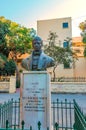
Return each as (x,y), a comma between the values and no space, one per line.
(8,86)
(68,87)
(4,86)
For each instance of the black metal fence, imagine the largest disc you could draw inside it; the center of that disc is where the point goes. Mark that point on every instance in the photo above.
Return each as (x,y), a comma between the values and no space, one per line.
(10,112)
(57,79)
(65,116)
(80,118)
(69,79)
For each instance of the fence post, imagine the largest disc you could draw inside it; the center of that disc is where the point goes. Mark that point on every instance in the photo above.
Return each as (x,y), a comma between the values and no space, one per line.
(56,126)
(74,126)
(30,127)
(39,125)
(22,123)
(47,128)
(7,124)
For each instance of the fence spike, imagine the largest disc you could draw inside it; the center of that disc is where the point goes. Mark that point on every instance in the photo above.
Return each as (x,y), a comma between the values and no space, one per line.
(7,124)
(56,126)
(22,123)
(47,128)
(30,127)
(39,125)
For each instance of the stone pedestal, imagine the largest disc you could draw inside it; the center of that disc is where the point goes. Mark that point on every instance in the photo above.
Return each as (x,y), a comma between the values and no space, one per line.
(36,99)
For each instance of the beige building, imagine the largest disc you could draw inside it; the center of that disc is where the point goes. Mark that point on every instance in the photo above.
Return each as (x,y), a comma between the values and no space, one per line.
(63,28)
(80,65)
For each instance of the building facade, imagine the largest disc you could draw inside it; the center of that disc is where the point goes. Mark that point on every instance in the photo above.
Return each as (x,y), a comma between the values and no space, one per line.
(80,64)
(63,29)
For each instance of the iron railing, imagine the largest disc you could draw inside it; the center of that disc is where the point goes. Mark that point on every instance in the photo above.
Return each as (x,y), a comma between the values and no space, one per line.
(57,79)
(65,115)
(69,79)
(10,111)
(22,126)
(61,112)
(80,118)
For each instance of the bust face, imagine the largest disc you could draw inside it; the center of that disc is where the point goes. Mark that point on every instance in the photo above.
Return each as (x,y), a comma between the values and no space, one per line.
(37,44)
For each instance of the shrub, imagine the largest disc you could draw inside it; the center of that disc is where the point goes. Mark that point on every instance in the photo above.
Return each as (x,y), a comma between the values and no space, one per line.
(10,67)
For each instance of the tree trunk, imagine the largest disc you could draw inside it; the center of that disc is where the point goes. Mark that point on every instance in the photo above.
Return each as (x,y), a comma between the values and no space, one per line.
(54,75)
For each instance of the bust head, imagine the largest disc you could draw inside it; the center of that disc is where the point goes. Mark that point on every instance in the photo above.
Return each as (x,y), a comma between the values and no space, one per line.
(37,43)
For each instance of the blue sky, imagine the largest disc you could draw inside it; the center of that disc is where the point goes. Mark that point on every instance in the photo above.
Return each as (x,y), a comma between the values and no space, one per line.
(27,12)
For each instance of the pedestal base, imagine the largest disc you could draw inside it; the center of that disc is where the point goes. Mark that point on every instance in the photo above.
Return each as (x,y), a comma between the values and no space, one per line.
(36,99)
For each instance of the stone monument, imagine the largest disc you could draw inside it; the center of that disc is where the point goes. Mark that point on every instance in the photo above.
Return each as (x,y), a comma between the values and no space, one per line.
(35,88)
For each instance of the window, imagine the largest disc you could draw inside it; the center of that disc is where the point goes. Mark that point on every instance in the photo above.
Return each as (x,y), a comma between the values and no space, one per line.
(65,44)
(66,65)
(65,25)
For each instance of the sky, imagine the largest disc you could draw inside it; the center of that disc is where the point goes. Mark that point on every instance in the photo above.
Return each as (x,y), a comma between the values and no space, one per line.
(27,12)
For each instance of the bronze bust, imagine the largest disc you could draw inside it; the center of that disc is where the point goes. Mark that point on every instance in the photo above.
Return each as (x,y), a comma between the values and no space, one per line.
(38,60)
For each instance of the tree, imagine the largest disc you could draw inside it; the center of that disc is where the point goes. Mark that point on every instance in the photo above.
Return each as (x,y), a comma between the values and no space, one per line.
(10,67)
(16,39)
(2,61)
(82,26)
(18,42)
(4,30)
(61,55)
